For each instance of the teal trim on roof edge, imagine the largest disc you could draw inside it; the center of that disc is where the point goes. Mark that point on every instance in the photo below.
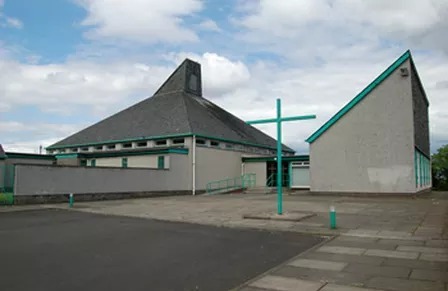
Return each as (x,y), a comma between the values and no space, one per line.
(360,96)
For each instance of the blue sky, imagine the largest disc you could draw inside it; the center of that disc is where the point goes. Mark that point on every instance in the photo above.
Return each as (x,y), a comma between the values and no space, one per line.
(65,64)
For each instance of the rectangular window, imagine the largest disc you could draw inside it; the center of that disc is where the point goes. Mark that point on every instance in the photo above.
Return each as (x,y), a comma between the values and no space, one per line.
(161,142)
(93,163)
(75,150)
(99,148)
(161,162)
(111,147)
(214,143)
(127,145)
(229,146)
(142,144)
(124,162)
(84,149)
(200,141)
(178,141)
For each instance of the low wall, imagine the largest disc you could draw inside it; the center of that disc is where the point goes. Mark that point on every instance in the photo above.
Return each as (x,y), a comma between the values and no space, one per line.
(38,180)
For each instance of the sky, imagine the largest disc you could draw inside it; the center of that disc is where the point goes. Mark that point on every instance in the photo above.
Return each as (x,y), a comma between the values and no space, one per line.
(66,64)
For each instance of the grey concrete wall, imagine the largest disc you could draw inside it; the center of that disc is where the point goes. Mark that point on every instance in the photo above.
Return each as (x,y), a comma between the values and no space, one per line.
(259,169)
(215,164)
(41,180)
(68,161)
(371,148)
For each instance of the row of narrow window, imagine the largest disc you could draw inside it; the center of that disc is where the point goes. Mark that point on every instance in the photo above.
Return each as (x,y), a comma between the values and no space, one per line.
(175,141)
(422,170)
(124,162)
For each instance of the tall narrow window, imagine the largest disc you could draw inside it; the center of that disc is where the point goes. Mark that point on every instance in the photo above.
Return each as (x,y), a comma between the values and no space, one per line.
(124,162)
(93,163)
(161,162)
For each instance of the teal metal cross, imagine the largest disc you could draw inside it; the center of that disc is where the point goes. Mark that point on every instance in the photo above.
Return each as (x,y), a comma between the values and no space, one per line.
(279,121)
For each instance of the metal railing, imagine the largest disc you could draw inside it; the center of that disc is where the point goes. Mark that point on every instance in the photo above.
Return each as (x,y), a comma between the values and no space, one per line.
(271,181)
(231,184)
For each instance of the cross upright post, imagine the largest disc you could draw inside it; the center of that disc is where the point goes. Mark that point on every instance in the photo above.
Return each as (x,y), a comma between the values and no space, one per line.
(279,158)
(278,120)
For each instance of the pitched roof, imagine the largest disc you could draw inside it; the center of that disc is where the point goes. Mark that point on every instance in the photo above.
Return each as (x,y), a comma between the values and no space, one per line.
(358,98)
(176,109)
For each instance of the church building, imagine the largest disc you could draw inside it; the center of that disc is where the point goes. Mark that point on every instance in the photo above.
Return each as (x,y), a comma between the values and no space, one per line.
(176,128)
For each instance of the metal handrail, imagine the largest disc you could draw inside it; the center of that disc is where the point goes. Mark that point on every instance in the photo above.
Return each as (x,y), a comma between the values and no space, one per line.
(230,184)
(270,181)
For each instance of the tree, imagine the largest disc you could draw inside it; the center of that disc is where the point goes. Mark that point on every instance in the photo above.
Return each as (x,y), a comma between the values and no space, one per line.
(440,168)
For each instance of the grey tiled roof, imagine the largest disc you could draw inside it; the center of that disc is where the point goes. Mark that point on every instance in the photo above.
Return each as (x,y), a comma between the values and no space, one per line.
(177,107)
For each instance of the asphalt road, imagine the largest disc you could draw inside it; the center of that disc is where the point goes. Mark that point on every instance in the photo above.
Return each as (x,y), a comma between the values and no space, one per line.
(56,250)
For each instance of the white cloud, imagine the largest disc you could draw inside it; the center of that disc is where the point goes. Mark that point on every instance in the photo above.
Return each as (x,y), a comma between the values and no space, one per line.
(308,29)
(7,21)
(145,21)
(209,25)
(14,22)
(27,137)
(69,87)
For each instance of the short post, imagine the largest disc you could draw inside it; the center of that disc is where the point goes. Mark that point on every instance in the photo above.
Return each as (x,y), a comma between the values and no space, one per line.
(70,200)
(332,217)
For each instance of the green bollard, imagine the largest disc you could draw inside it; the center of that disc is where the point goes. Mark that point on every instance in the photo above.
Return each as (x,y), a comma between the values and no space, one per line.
(332,217)
(71,200)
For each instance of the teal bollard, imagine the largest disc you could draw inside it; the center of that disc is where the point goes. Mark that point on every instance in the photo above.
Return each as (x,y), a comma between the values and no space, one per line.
(71,200)
(332,217)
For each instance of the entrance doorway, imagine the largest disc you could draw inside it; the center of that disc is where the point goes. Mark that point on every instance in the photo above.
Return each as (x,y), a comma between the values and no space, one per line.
(271,174)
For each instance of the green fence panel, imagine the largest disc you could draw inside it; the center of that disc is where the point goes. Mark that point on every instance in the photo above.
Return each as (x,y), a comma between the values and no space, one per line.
(7,176)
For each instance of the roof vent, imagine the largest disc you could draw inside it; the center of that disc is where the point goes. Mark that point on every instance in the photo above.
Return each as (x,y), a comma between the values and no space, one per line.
(404,72)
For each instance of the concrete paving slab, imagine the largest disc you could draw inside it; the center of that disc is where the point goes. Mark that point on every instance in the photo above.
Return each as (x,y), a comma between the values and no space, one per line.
(392,254)
(397,242)
(387,233)
(415,264)
(430,275)
(345,258)
(437,243)
(434,257)
(344,238)
(337,277)
(335,287)
(318,264)
(286,216)
(286,284)
(248,288)
(397,284)
(363,232)
(394,272)
(342,250)
(361,244)
(421,249)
